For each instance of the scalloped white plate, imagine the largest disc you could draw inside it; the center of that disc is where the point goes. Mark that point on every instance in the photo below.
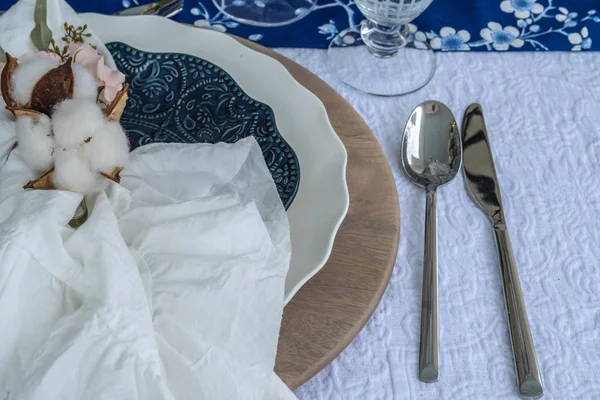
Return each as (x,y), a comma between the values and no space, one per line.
(322,199)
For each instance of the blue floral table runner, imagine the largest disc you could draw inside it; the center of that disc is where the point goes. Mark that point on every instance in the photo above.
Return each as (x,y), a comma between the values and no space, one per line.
(460,25)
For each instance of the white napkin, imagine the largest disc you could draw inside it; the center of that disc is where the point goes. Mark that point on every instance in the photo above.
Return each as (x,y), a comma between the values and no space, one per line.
(173,288)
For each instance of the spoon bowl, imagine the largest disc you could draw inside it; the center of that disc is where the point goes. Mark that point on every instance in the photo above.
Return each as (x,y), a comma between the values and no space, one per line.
(431,149)
(431,157)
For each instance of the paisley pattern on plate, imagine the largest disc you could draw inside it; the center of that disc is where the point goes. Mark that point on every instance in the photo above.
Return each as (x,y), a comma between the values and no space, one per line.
(181,98)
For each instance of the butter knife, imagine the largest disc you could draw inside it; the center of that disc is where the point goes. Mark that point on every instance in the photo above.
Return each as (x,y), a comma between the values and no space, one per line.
(164,8)
(482,186)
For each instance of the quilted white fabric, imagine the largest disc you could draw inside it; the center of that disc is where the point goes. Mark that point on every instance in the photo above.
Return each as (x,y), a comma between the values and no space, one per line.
(543,117)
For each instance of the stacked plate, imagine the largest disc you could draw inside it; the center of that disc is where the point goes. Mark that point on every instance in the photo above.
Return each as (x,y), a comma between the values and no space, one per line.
(196,85)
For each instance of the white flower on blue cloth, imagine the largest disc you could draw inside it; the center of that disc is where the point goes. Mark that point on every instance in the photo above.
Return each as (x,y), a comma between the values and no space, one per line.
(565,16)
(202,23)
(522,23)
(581,40)
(129,3)
(301,11)
(328,29)
(256,37)
(502,38)
(450,40)
(522,8)
(420,39)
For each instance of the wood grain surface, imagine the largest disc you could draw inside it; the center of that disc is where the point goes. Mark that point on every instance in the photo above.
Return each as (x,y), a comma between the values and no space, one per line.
(331,309)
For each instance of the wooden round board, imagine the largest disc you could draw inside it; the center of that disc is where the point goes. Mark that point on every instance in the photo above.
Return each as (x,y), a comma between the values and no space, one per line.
(331,309)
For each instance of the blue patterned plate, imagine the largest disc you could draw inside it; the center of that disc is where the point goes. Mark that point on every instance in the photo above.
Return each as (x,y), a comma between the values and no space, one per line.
(174,76)
(181,98)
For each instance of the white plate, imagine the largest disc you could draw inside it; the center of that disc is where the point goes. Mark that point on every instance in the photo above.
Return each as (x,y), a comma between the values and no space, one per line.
(321,202)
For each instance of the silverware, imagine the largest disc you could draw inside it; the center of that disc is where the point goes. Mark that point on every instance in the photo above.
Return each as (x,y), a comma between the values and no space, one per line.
(483,188)
(431,157)
(165,8)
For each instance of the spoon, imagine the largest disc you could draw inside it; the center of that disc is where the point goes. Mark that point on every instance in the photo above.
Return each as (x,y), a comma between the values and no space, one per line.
(431,157)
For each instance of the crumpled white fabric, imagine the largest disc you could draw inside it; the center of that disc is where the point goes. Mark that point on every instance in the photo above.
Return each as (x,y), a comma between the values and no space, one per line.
(173,288)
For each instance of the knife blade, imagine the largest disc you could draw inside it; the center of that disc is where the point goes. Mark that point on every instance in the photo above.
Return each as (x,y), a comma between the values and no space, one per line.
(483,188)
(164,8)
(479,168)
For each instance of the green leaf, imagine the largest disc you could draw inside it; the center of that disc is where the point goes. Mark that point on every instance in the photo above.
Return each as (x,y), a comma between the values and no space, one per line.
(41,33)
(2,55)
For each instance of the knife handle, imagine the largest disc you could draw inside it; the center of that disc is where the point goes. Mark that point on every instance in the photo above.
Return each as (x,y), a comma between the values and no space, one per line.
(428,351)
(528,374)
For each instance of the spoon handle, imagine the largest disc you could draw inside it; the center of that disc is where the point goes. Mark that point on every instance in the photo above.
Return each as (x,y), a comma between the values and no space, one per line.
(428,352)
(528,374)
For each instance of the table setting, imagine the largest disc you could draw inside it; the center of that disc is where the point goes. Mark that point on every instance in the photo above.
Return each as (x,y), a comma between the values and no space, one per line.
(298,199)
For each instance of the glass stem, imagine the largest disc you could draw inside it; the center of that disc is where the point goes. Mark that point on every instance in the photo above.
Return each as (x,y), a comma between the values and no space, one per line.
(384,41)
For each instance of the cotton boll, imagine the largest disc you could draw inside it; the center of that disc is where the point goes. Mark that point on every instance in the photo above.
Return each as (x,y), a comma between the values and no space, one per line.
(72,172)
(26,75)
(76,120)
(85,83)
(108,148)
(36,142)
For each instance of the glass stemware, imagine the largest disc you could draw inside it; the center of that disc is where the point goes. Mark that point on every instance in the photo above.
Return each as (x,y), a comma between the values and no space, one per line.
(387,63)
(265,12)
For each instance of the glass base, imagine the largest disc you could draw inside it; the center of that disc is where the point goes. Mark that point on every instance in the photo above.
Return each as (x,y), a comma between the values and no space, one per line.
(357,66)
(265,12)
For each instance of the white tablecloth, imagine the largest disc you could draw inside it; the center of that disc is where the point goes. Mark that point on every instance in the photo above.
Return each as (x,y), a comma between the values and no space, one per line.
(543,117)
